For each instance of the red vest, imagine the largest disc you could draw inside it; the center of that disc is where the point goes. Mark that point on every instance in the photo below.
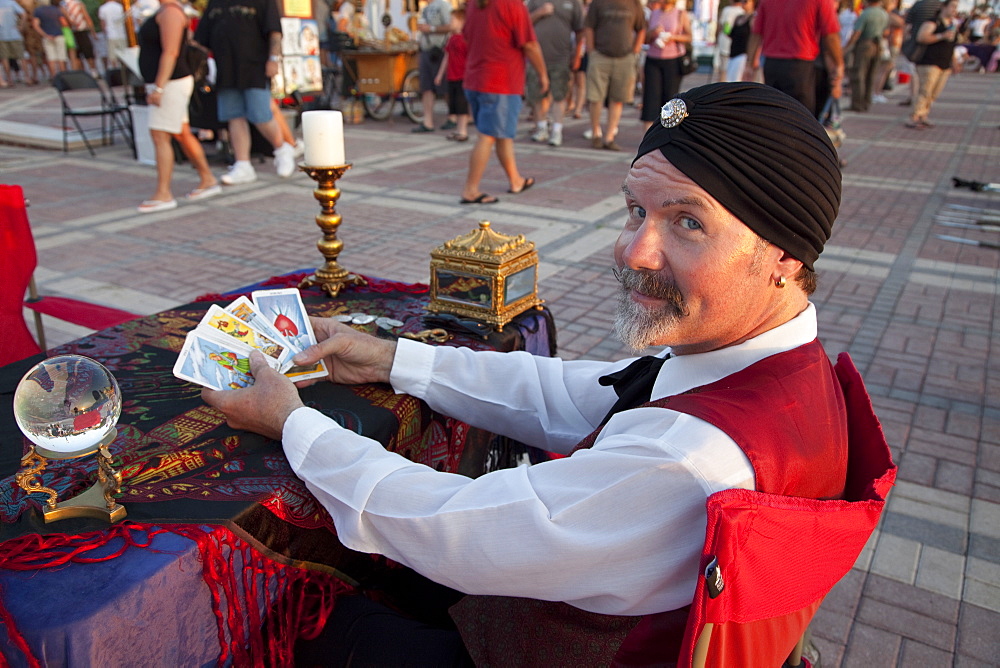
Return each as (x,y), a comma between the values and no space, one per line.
(786,412)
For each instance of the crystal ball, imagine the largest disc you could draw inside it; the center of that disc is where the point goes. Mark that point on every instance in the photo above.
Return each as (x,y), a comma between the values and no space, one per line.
(67,404)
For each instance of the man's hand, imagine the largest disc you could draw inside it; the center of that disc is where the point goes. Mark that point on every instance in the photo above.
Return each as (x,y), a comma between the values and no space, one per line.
(271,69)
(261,408)
(351,356)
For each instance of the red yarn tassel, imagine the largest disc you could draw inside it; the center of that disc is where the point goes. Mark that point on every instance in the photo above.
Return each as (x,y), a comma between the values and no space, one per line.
(235,572)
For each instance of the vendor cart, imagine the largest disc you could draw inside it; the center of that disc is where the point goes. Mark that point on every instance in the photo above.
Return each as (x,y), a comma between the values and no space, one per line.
(382,76)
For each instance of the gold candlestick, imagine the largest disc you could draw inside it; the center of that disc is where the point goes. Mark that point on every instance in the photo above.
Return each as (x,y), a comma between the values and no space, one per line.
(331,276)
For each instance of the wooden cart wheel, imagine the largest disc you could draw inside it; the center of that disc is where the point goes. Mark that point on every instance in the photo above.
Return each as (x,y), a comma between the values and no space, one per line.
(410,97)
(377,106)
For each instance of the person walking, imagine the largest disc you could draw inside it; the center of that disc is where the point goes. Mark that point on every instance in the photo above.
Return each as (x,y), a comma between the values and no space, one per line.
(739,39)
(453,69)
(33,44)
(668,33)
(434,26)
(789,36)
(933,67)
(11,42)
(865,44)
(48,22)
(500,37)
(556,26)
(244,36)
(919,13)
(615,31)
(112,17)
(169,87)
(723,38)
(83,29)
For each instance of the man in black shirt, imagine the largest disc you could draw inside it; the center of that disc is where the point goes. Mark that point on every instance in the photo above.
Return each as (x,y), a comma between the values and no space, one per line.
(245,38)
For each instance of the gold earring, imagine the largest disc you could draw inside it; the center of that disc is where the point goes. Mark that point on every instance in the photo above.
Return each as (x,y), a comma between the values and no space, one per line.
(779,282)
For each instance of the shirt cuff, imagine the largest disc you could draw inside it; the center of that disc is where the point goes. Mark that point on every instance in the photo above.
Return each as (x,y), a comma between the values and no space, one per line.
(301,430)
(412,367)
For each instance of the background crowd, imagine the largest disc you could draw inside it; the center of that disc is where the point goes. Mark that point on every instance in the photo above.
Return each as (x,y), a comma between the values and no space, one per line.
(617,61)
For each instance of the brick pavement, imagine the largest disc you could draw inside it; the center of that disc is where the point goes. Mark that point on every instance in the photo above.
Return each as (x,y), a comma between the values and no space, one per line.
(919,315)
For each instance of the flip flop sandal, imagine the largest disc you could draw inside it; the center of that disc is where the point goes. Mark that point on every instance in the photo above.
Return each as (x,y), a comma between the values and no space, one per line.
(482,199)
(528,182)
(154,205)
(204,193)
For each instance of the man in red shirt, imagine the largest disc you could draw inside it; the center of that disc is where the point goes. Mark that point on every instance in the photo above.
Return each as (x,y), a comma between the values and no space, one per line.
(500,36)
(789,35)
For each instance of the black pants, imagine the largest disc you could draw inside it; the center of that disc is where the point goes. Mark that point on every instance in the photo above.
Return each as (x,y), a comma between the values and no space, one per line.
(794,77)
(662,80)
(361,632)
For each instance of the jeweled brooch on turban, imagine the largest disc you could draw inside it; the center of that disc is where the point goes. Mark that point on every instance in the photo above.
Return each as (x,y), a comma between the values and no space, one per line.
(673,112)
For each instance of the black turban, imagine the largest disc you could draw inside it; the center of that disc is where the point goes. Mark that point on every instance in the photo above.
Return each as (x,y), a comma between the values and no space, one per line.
(761,154)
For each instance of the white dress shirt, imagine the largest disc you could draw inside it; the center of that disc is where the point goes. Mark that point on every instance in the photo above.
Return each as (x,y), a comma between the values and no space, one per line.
(615,529)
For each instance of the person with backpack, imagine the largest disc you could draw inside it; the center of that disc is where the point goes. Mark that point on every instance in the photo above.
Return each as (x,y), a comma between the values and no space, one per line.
(167,71)
(919,13)
(937,37)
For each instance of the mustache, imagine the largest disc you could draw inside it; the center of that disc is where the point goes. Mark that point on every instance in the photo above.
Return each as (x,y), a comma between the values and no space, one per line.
(651,284)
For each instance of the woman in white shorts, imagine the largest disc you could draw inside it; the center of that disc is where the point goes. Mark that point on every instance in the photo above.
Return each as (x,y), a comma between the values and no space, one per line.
(169,85)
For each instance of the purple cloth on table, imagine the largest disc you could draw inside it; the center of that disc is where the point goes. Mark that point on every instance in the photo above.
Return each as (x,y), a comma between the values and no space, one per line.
(140,604)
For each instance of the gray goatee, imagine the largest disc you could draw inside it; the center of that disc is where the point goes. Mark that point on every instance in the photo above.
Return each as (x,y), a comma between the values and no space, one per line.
(638,326)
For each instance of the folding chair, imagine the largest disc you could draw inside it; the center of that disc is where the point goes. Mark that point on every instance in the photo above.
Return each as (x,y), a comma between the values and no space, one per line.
(770,560)
(133,91)
(106,109)
(133,88)
(17,264)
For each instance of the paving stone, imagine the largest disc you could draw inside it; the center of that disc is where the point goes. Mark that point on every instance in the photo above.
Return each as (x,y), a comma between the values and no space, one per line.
(941,572)
(955,477)
(929,495)
(846,594)
(977,633)
(939,535)
(915,653)
(896,558)
(928,511)
(912,598)
(984,547)
(918,468)
(831,653)
(869,646)
(984,518)
(907,624)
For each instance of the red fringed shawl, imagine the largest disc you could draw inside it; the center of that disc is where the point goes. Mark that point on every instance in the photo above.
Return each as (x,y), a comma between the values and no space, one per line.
(235,572)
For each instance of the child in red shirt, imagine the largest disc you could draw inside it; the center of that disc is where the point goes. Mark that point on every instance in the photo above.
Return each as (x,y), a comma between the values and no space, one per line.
(453,67)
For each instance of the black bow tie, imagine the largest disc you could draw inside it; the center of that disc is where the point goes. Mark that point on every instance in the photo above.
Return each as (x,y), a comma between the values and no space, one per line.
(633,384)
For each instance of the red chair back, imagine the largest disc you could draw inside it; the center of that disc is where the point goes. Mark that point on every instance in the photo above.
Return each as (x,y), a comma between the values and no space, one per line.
(777,556)
(17,264)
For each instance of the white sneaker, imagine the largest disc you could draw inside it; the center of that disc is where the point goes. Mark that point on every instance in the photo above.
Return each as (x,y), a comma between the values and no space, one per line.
(284,160)
(240,172)
(541,134)
(879,99)
(300,148)
(555,139)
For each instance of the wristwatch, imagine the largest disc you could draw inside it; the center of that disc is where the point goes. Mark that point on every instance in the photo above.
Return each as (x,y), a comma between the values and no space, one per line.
(274,59)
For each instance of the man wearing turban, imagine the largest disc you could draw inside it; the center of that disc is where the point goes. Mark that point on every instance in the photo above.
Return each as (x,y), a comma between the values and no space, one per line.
(730,200)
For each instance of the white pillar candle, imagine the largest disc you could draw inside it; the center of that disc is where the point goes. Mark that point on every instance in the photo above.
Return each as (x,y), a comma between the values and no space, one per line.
(323,132)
